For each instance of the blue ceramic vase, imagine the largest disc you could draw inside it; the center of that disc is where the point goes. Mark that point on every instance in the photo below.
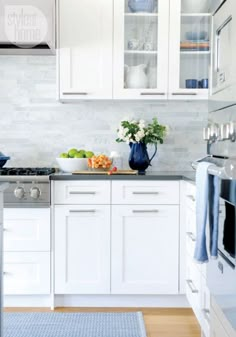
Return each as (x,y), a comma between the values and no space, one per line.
(139,158)
(147,6)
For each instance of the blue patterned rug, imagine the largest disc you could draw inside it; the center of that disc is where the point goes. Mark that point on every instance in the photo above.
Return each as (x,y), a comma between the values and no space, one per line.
(74,325)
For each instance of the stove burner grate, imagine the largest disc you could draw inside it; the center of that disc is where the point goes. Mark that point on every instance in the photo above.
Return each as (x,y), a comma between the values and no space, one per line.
(26,171)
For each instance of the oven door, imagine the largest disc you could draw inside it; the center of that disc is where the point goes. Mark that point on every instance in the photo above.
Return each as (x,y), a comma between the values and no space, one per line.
(223,69)
(221,272)
(227,222)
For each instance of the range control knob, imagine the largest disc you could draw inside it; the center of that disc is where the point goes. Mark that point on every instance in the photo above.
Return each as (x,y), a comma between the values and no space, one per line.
(35,192)
(19,192)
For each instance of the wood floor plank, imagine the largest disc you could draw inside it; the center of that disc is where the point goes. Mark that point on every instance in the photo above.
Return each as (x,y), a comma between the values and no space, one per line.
(159,322)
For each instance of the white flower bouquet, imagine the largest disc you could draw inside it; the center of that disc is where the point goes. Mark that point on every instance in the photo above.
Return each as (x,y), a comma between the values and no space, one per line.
(141,132)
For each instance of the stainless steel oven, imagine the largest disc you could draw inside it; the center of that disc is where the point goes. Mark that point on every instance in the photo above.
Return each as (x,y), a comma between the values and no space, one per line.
(220,134)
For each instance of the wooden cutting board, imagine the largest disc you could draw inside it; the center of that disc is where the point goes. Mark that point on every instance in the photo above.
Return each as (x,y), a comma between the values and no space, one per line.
(118,172)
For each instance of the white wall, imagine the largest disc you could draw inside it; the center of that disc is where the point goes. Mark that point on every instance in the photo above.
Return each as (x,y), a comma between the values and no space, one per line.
(35,128)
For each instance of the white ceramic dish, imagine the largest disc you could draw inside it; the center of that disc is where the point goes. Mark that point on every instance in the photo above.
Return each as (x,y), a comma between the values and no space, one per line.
(195,6)
(69,165)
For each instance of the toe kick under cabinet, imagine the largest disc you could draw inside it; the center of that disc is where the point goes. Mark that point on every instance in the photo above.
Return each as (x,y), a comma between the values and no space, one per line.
(116,237)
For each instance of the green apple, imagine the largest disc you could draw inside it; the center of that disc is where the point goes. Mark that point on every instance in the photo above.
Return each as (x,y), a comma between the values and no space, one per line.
(72,152)
(78,155)
(89,154)
(64,155)
(82,151)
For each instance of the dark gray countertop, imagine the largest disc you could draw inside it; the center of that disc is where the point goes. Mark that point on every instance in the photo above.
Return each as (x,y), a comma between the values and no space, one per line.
(175,175)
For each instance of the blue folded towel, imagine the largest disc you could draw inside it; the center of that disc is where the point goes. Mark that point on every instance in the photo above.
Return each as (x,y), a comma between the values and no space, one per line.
(207,198)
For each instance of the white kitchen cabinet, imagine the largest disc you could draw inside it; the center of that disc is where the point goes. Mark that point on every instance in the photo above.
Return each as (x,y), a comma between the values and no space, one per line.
(189,57)
(140,51)
(145,249)
(26,273)
(85,49)
(26,229)
(82,249)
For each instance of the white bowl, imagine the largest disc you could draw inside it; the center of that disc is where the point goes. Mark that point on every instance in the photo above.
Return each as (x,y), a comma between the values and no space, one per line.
(69,165)
(195,6)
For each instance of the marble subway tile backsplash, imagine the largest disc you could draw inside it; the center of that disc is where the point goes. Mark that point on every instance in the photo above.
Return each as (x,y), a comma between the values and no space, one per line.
(35,127)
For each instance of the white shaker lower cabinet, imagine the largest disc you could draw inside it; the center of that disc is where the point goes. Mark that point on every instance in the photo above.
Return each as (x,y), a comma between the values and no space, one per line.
(82,249)
(27,236)
(26,273)
(145,249)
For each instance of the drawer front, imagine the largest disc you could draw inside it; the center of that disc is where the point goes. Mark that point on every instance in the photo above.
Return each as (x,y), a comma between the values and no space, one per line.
(82,192)
(26,229)
(205,308)
(190,243)
(191,226)
(145,192)
(193,287)
(26,273)
(191,196)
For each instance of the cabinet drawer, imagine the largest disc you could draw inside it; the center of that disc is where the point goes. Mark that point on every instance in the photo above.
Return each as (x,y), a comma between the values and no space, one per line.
(26,273)
(205,308)
(191,196)
(145,192)
(191,221)
(26,229)
(82,192)
(190,243)
(193,287)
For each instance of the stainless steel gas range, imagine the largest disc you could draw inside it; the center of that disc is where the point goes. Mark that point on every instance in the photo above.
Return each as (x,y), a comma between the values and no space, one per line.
(28,187)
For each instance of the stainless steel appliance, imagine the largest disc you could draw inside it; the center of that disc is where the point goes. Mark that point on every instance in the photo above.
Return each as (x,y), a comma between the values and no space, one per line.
(28,187)
(220,135)
(223,68)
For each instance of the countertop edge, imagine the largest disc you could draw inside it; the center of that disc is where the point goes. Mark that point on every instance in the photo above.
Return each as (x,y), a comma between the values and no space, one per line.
(189,176)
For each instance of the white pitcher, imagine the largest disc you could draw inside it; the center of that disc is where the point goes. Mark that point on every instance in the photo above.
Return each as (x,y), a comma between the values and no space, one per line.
(136,77)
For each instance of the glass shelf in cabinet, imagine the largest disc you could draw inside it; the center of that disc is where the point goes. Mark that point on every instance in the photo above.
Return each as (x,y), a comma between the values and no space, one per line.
(141,52)
(141,14)
(195,52)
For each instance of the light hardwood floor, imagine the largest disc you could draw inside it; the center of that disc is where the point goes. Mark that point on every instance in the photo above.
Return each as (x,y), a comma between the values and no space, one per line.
(158,322)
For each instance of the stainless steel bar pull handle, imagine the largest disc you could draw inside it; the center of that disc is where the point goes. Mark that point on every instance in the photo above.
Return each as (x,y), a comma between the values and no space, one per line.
(184,93)
(145,193)
(152,93)
(75,93)
(191,236)
(82,211)
(82,193)
(191,286)
(145,211)
(191,197)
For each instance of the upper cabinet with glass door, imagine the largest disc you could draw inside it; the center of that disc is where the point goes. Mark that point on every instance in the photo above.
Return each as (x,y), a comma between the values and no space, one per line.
(189,49)
(141,32)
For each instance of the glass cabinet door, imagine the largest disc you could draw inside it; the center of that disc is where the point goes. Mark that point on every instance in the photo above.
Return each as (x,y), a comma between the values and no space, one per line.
(189,49)
(141,49)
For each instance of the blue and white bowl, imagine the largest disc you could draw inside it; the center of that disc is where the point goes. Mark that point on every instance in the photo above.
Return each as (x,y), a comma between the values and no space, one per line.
(147,6)
(3,159)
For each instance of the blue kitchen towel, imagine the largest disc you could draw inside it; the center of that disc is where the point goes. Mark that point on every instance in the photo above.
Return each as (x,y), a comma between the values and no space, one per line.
(207,193)
(214,208)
